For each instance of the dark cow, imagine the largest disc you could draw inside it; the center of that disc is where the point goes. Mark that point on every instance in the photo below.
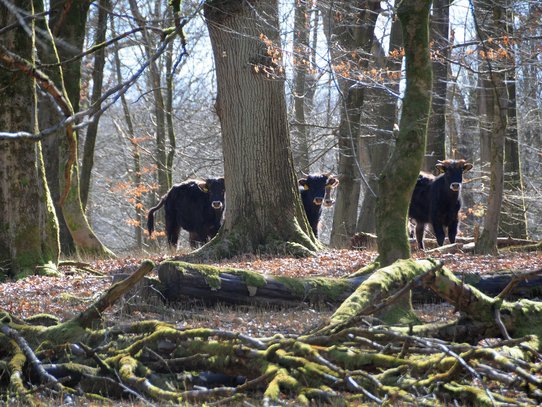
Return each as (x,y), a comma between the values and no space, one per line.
(193,205)
(315,192)
(437,200)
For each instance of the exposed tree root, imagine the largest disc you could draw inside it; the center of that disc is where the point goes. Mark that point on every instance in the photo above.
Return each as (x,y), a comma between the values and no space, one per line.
(355,361)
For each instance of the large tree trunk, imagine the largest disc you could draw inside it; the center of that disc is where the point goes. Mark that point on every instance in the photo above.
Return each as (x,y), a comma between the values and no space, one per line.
(264,211)
(399,176)
(349,27)
(28,227)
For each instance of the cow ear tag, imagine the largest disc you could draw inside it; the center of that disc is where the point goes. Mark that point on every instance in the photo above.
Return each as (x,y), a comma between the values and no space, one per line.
(306,187)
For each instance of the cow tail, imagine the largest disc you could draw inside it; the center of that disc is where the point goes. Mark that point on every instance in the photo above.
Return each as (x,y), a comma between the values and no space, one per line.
(150,215)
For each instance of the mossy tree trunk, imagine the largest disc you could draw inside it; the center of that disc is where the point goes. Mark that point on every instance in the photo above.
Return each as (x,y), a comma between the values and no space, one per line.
(349,28)
(28,227)
(399,176)
(67,23)
(264,211)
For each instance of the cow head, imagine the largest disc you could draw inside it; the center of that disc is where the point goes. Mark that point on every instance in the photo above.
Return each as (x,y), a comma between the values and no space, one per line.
(318,188)
(215,188)
(453,172)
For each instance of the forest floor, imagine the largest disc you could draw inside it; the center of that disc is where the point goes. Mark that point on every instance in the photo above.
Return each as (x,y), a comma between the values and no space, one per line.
(79,286)
(76,289)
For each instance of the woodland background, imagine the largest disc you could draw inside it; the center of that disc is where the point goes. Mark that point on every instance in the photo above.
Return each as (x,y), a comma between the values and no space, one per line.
(318,68)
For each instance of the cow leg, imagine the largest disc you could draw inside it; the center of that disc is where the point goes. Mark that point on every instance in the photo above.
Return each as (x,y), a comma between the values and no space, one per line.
(172,233)
(420,229)
(194,240)
(452,231)
(439,233)
(314,227)
(197,239)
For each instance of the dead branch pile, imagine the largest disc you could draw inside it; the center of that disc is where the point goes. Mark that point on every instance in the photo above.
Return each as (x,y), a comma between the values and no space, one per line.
(352,357)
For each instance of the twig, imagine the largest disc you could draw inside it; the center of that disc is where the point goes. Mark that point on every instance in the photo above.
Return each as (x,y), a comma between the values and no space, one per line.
(498,321)
(33,360)
(515,281)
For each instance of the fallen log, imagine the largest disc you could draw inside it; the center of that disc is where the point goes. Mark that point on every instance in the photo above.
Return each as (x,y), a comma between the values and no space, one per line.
(235,286)
(211,284)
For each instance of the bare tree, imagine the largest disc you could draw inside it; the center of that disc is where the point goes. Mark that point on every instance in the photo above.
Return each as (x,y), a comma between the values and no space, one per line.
(349,27)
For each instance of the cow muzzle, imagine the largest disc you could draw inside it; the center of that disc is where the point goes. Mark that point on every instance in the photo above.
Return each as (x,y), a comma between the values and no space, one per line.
(217,205)
(455,186)
(318,201)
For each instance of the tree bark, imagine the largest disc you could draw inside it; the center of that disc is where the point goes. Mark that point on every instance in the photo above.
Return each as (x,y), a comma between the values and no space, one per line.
(264,211)
(135,149)
(28,226)
(399,176)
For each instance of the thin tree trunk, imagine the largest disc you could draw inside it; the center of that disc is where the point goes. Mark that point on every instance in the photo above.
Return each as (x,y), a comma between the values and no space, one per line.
(159,105)
(97,82)
(487,244)
(170,87)
(349,27)
(399,176)
(380,118)
(137,180)
(28,227)
(436,132)
(514,213)
(264,211)
(301,63)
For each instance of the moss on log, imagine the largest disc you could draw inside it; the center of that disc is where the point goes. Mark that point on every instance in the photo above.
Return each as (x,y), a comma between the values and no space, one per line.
(237,286)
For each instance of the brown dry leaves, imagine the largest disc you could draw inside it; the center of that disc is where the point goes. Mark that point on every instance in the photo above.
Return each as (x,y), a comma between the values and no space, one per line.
(73,292)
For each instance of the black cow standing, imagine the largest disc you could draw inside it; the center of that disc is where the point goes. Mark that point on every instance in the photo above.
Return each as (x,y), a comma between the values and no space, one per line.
(315,192)
(437,200)
(193,205)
